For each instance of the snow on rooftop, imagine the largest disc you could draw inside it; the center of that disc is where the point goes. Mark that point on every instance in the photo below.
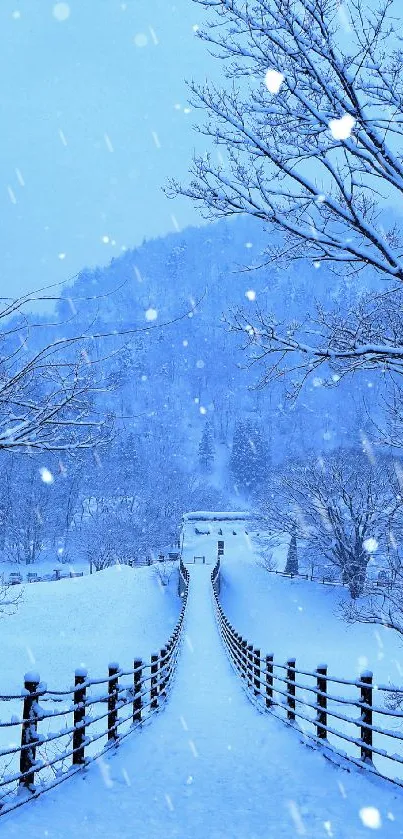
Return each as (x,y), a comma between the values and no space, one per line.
(205,515)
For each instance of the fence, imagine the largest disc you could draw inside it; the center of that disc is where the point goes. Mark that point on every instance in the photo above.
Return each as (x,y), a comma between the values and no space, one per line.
(328,580)
(92,712)
(324,579)
(310,700)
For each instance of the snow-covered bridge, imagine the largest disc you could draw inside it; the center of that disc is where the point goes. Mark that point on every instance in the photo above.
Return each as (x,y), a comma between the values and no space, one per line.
(211,765)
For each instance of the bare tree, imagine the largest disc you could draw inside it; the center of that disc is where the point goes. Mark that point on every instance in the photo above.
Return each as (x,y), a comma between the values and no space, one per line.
(343,509)
(10,597)
(49,389)
(309,132)
(382,605)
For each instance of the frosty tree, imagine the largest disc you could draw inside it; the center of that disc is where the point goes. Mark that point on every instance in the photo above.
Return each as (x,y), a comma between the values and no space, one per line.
(249,458)
(47,387)
(342,509)
(309,127)
(291,566)
(206,448)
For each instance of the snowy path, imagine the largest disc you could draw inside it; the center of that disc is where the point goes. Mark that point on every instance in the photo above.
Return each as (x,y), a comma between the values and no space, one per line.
(210,766)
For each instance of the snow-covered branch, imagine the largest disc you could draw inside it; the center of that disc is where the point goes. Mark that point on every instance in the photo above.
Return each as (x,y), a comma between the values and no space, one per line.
(309,131)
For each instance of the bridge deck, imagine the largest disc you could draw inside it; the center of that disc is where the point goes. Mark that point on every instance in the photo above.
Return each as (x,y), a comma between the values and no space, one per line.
(210,766)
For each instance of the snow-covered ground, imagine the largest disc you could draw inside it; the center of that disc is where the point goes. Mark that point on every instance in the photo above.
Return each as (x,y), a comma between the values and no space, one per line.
(291,617)
(45,565)
(211,765)
(114,615)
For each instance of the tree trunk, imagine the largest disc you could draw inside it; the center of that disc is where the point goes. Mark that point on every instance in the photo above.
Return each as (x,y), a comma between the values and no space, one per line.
(292,556)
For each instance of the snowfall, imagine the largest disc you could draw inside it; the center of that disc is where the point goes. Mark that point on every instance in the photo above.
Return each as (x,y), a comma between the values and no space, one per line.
(209,765)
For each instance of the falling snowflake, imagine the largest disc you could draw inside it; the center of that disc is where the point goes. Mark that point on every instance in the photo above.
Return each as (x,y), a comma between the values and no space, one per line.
(156,139)
(250,294)
(153,35)
(46,475)
(200,364)
(140,39)
(341,128)
(371,817)
(151,314)
(273,80)
(61,11)
(11,195)
(370,545)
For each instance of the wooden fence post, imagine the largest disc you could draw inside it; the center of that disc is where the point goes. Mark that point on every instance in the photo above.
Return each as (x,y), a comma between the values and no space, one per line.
(238,662)
(154,682)
(28,733)
(250,664)
(321,701)
(366,715)
(79,698)
(137,686)
(291,689)
(113,694)
(256,672)
(163,671)
(269,680)
(244,645)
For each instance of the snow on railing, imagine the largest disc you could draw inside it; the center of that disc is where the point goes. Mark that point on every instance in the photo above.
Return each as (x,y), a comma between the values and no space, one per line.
(43,759)
(307,700)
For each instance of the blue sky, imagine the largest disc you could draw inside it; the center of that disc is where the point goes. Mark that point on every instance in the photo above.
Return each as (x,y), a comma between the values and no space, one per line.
(94,121)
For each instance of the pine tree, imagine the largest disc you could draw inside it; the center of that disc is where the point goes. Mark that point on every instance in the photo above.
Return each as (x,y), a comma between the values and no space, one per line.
(206,448)
(291,566)
(250,456)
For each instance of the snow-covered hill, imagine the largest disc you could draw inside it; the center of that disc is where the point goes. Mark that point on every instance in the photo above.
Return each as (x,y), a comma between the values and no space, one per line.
(115,615)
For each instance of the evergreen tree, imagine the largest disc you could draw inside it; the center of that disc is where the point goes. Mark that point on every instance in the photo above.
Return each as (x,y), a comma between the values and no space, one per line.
(206,448)
(250,456)
(291,566)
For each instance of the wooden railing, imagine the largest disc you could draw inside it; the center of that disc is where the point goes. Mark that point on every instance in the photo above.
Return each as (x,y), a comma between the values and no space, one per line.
(372,738)
(91,717)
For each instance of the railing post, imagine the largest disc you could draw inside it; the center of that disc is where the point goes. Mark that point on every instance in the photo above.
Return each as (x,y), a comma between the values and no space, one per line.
(321,701)
(238,662)
(244,645)
(28,733)
(163,671)
(113,693)
(79,698)
(291,689)
(250,664)
(366,716)
(256,672)
(154,682)
(137,698)
(269,680)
